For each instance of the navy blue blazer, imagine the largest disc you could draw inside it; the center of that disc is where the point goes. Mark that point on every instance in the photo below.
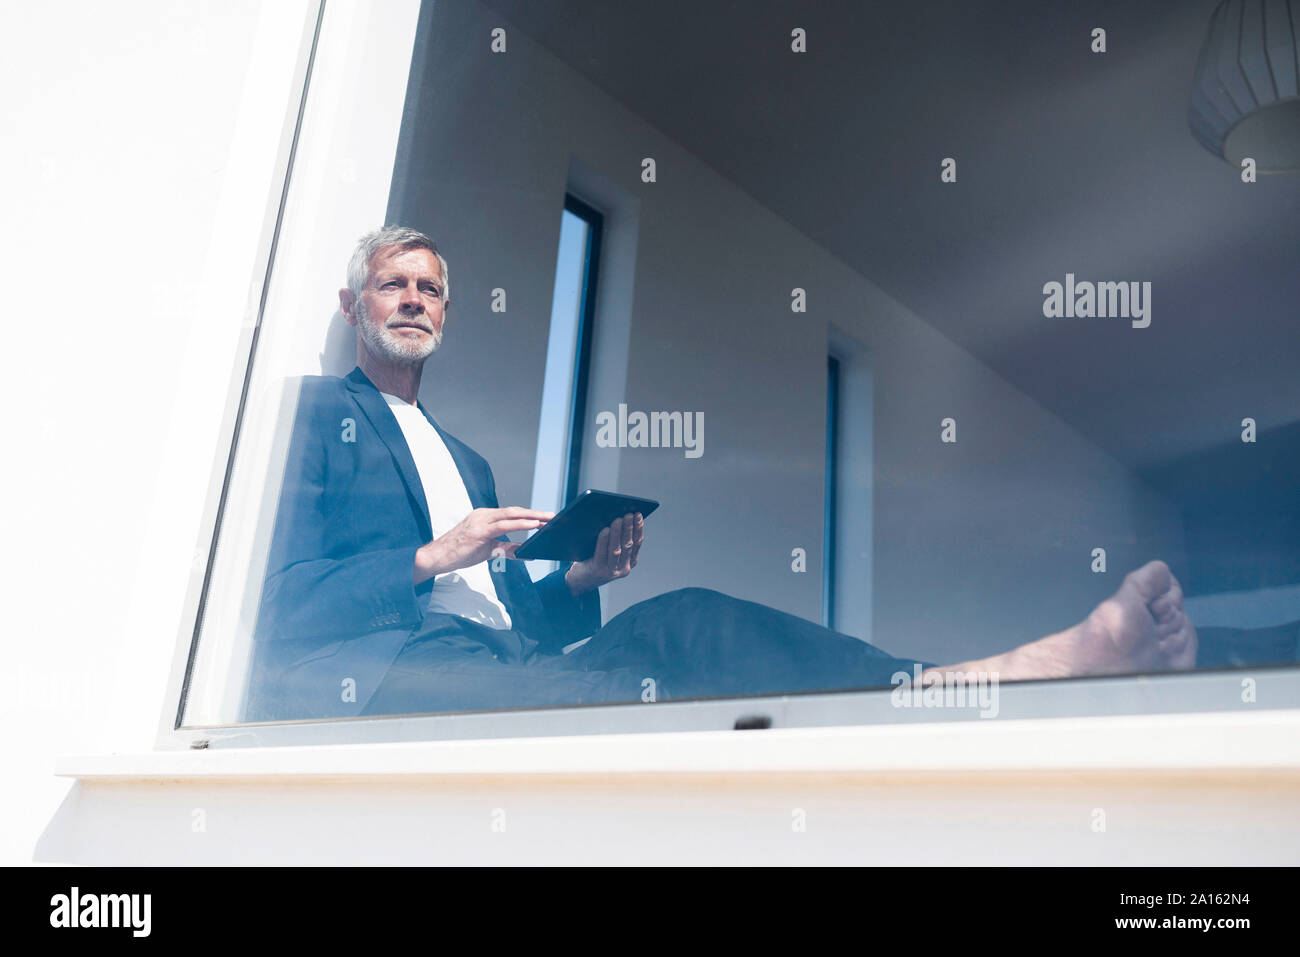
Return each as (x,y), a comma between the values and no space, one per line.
(338,601)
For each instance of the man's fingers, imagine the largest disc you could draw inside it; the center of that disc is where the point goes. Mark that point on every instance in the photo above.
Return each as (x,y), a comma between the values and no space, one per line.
(637,538)
(615,541)
(601,555)
(507,549)
(518,511)
(629,532)
(502,526)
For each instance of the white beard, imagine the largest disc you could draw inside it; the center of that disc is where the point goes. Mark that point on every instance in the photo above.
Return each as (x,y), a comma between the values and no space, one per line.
(382,343)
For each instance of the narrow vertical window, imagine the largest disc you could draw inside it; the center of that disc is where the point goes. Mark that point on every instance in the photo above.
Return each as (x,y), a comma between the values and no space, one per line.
(568,356)
(830,518)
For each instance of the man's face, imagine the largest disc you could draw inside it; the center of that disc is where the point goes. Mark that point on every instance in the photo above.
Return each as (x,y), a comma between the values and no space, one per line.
(400,312)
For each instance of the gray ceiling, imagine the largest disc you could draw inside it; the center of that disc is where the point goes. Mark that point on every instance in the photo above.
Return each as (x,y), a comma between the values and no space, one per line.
(1068,162)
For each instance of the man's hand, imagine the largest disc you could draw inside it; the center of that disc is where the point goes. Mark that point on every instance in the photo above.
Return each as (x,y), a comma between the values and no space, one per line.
(474,539)
(615,557)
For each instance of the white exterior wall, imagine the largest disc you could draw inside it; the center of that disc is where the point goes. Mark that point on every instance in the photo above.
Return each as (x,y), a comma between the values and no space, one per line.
(137,205)
(139,174)
(1177,790)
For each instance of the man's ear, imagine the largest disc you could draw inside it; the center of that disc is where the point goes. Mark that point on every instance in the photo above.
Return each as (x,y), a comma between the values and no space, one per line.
(347,305)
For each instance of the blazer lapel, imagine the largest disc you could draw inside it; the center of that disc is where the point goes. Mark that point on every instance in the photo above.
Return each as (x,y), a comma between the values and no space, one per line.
(375,408)
(513,591)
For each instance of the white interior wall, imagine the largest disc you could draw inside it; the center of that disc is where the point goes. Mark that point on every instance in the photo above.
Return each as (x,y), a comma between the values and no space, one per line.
(977,545)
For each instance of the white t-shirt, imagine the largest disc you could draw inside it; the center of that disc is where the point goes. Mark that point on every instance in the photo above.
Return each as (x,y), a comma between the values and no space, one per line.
(467,592)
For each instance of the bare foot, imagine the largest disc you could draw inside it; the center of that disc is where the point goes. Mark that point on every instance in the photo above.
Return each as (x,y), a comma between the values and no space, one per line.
(1142,627)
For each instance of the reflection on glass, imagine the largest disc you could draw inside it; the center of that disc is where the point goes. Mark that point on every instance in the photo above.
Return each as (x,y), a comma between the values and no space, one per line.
(1038,449)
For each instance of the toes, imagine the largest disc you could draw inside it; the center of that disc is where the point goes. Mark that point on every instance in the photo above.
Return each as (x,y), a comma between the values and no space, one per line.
(1169,604)
(1143,625)
(1178,649)
(1171,627)
(1151,580)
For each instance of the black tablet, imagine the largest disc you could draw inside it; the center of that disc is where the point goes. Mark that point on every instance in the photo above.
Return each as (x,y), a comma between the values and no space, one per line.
(571,535)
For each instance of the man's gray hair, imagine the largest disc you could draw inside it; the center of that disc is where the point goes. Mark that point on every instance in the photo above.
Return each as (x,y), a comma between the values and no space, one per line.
(377,239)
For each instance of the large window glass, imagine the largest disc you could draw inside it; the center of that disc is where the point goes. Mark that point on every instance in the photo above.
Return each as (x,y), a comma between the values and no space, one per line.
(954,341)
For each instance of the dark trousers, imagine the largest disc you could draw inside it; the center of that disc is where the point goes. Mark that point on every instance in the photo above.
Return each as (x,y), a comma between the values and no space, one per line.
(689,643)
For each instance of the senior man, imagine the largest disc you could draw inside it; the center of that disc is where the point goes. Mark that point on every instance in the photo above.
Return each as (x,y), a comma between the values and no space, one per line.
(390,586)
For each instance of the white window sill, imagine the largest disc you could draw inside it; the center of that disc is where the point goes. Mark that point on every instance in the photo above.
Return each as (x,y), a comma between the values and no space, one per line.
(1204,742)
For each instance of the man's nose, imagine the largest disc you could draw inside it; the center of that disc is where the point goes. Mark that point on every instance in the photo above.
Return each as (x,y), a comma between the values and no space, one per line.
(411,300)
